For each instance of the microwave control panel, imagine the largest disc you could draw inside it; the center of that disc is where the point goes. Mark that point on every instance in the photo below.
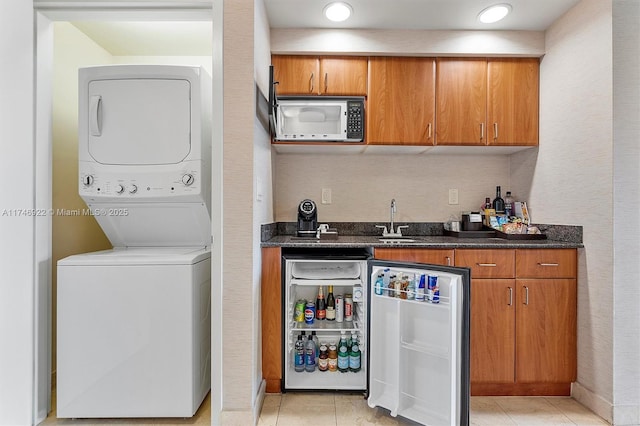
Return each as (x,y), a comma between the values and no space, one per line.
(355,119)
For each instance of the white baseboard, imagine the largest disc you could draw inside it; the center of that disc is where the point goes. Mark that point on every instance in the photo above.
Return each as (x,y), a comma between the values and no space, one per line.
(592,401)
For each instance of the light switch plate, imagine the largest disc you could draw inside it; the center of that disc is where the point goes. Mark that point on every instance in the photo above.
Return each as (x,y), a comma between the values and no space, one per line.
(326,195)
(453,196)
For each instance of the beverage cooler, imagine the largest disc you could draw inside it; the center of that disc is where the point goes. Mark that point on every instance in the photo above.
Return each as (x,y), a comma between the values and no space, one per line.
(409,326)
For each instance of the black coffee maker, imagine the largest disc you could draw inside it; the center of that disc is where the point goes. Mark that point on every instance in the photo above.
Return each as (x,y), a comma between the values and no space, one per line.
(307,219)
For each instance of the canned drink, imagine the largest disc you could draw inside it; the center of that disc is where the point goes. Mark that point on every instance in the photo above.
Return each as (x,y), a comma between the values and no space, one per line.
(348,307)
(433,290)
(339,309)
(420,289)
(309,312)
(298,311)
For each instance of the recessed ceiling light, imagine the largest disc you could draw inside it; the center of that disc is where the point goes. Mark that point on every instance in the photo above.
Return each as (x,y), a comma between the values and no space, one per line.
(494,13)
(338,11)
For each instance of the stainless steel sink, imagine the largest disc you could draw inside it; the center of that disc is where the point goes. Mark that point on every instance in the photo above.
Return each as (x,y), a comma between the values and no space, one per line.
(396,240)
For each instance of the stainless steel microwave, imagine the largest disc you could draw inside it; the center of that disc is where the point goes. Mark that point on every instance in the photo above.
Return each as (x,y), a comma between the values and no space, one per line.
(319,118)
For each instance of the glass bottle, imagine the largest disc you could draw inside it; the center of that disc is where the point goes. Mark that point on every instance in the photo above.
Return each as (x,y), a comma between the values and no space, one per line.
(355,356)
(321,307)
(498,202)
(331,305)
(508,204)
(343,354)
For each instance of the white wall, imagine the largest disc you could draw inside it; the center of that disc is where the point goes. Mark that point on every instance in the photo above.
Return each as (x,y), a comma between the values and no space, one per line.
(18,262)
(626,204)
(570,180)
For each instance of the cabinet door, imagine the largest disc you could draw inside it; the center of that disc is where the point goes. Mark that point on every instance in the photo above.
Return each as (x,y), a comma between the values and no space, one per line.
(488,263)
(433,256)
(343,75)
(271,301)
(296,75)
(401,101)
(493,331)
(546,330)
(461,101)
(512,101)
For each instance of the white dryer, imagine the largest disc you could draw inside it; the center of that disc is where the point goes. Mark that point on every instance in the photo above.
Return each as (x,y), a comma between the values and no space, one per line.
(133,323)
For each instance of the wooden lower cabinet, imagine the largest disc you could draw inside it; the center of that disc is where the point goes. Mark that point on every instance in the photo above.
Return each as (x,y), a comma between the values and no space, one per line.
(546,330)
(523,330)
(432,256)
(493,331)
(271,302)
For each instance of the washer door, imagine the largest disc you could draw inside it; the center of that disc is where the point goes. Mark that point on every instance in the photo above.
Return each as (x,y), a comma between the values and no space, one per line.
(139,121)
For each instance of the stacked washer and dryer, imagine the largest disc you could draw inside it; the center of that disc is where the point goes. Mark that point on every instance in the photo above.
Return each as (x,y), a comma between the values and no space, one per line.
(133,322)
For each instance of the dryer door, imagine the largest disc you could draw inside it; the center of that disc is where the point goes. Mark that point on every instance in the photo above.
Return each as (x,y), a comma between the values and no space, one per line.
(139,121)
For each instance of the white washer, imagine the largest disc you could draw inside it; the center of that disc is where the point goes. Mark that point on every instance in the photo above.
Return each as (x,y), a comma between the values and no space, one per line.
(133,323)
(134,334)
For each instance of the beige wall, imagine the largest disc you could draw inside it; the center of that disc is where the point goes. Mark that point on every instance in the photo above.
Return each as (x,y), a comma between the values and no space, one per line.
(362,186)
(571,179)
(70,234)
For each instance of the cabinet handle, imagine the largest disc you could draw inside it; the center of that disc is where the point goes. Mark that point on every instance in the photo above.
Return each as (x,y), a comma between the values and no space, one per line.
(311,83)
(510,296)
(481,131)
(548,264)
(495,131)
(448,260)
(526,295)
(429,131)
(326,82)
(493,265)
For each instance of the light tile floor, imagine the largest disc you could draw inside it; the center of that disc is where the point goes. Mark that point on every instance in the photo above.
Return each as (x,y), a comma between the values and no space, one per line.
(298,409)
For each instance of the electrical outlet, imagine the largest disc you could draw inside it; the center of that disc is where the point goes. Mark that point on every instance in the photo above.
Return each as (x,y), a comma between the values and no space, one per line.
(326,195)
(453,196)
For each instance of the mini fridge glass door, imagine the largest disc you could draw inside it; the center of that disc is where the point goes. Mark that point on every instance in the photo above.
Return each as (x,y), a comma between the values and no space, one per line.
(419,349)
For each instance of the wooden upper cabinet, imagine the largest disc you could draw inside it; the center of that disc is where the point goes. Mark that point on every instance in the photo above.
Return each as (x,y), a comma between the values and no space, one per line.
(461,101)
(343,75)
(401,101)
(313,75)
(512,101)
(296,75)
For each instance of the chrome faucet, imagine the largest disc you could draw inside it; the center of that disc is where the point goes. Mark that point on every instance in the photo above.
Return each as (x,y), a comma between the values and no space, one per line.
(391,232)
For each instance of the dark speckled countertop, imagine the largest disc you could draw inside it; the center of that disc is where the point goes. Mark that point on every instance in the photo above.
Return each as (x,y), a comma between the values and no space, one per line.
(425,235)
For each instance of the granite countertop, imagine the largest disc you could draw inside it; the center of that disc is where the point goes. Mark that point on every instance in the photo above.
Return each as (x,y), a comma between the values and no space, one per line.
(425,235)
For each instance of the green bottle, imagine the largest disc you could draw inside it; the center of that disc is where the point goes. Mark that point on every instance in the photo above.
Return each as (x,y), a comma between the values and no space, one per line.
(343,354)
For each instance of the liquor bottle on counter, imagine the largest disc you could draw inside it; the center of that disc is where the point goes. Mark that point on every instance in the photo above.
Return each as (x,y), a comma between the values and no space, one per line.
(298,355)
(508,204)
(498,202)
(321,307)
(355,355)
(310,355)
(331,305)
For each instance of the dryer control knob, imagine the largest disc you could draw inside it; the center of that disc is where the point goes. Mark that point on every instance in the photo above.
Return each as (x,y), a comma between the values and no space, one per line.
(133,189)
(119,189)
(187,179)
(87,180)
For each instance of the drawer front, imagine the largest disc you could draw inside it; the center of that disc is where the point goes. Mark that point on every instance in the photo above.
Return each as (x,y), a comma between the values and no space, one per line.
(487,263)
(433,256)
(546,263)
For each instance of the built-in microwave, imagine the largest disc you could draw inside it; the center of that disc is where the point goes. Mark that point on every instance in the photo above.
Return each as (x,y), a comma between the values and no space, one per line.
(316,118)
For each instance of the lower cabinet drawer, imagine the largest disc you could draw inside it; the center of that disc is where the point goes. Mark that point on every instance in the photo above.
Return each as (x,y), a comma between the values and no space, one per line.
(546,263)
(487,263)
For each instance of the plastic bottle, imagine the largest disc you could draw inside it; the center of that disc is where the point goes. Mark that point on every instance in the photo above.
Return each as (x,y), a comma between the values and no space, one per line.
(343,354)
(508,204)
(310,355)
(355,356)
(316,341)
(298,355)
(411,289)
(379,285)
